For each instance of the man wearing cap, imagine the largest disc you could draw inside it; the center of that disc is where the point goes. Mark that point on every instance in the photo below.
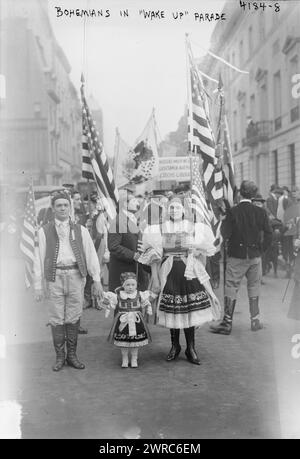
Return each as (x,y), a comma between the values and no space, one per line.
(63,258)
(243,228)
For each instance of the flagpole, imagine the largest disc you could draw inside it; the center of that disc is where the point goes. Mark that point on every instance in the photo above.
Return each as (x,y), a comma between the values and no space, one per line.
(190,147)
(224,241)
(116,153)
(88,180)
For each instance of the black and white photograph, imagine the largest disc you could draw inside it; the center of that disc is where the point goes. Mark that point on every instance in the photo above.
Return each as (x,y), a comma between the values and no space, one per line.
(149,222)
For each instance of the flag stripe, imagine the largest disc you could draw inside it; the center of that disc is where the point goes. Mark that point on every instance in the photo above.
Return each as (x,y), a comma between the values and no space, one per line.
(95,165)
(29,239)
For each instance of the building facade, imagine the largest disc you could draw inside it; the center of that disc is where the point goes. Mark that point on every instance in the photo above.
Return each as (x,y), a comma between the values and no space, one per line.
(41,114)
(262,110)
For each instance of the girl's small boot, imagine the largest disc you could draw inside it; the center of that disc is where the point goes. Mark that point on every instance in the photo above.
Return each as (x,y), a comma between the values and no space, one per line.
(134,355)
(124,358)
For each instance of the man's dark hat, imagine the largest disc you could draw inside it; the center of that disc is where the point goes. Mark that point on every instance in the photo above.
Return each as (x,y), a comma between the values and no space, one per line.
(60,195)
(258,198)
(93,197)
(68,185)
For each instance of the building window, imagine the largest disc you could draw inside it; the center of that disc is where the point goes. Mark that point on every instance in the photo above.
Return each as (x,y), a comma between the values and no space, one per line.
(274,166)
(294,103)
(250,41)
(263,100)
(243,117)
(277,99)
(292,164)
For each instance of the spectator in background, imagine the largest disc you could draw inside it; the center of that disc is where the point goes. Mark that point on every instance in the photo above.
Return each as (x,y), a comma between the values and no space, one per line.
(283,202)
(245,227)
(289,230)
(272,201)
(91,213)
(124,243)
(79,210)
(294,309)
(270,256)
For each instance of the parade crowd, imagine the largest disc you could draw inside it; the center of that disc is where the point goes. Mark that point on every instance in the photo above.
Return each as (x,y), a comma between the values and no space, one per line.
(155,259)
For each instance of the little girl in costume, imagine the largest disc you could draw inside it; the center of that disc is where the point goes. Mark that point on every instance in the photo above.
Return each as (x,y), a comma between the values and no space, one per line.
(129,330)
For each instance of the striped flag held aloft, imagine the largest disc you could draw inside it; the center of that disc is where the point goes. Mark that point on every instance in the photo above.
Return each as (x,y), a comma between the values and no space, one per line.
(29,237)
(202,143)
(95,165)
(223,143)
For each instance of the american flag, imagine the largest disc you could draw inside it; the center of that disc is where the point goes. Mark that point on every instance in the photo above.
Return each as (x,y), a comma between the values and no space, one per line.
(199,204)
(29,237)
(223,143)
(202,143)
(95,165)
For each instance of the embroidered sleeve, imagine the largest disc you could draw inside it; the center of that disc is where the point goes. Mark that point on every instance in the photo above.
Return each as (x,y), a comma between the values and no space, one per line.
(204,240)
(92,261)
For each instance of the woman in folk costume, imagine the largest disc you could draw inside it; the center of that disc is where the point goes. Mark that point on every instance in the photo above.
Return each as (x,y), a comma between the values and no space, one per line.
(176,252)
(129,330)
(294,309)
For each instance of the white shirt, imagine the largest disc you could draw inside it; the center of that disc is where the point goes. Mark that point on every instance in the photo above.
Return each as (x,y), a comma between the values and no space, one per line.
(280,208)
(91,257)
(65,252)
(246,200)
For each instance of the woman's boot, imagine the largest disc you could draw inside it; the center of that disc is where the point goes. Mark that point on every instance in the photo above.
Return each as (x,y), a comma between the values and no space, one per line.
(72,334)
(58,335)
(176,348)
(190,352)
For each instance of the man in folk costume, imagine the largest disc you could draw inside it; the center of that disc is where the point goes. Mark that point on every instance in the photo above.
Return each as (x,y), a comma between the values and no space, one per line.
(63,258)
(244,227)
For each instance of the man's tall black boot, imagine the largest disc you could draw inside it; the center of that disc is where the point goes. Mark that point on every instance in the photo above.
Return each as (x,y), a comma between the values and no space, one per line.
(190,352)
(176,348)
(81,330)
(225,327)
(254,314)
(72,334)
(58,335)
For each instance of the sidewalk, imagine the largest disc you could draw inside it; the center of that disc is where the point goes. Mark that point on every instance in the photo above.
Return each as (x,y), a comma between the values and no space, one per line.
(246,387)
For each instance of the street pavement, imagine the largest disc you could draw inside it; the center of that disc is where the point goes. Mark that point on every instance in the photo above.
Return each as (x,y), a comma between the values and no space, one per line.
(246,387)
